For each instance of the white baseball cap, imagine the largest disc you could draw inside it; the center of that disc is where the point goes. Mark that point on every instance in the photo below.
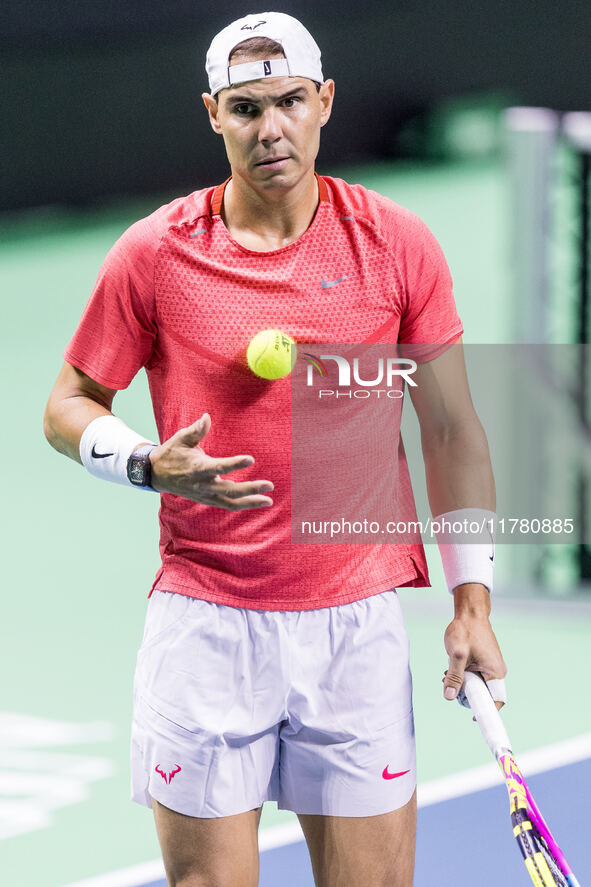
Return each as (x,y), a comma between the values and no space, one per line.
(302,55)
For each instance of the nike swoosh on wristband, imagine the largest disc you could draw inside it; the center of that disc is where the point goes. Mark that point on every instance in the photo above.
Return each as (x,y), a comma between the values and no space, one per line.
(326,284)
(387,775)
(96,455)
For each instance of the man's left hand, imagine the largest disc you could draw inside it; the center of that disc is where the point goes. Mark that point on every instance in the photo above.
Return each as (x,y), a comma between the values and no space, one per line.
(470,642)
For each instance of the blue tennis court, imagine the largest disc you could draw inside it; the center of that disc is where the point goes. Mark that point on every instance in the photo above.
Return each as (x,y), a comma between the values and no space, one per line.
(468,839)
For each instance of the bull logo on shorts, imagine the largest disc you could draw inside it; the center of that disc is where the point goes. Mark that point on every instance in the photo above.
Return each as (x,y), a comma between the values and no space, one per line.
(167,776)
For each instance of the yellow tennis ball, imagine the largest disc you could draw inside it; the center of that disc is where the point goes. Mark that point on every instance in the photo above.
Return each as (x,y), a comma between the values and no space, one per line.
(271,354)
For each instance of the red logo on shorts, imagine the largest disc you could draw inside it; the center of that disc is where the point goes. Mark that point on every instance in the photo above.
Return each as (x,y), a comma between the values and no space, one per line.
(167,776)
(387,775)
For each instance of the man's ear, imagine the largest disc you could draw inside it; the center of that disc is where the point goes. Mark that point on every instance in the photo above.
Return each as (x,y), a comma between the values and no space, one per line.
(326,96)
(212,109)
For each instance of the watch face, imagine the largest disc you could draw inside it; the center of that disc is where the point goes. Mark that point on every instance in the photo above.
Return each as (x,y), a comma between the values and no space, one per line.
(137,471)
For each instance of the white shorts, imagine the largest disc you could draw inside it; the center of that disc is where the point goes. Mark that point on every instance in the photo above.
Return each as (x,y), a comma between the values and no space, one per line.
(312,709)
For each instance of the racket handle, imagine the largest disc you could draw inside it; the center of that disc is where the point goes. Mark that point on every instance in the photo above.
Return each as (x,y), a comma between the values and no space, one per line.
(486,714)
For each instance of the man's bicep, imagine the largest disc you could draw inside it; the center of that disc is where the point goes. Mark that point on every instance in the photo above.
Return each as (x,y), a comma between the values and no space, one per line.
(441,397)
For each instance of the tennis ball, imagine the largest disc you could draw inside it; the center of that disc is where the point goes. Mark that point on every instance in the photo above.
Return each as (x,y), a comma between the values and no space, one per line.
(270,354)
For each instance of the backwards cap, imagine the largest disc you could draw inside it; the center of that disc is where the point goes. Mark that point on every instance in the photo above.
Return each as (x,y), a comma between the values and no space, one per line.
(302,55)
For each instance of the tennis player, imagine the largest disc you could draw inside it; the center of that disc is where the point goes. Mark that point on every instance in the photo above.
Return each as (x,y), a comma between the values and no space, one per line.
(272,671)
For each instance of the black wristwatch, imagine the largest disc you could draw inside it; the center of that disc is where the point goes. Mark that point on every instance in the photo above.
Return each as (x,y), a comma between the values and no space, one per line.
(139,467)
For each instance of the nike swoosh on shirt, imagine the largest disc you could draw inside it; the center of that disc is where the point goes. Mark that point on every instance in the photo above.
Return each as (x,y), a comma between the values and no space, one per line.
(326,284)
(96,455)
(387,775)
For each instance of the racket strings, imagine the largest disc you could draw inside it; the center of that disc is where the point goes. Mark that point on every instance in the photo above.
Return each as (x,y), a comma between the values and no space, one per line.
(559,878)
(539,863)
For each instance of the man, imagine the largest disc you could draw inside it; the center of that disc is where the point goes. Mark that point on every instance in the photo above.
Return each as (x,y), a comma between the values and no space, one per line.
(270,671)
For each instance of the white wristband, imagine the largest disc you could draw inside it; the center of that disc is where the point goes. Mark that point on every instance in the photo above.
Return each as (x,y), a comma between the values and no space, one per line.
(466,540)
(106,445)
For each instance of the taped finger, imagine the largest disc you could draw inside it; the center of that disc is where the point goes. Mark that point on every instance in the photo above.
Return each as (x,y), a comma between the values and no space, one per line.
(497,689)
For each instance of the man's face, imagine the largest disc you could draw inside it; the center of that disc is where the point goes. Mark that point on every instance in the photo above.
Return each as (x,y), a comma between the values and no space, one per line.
(271,127)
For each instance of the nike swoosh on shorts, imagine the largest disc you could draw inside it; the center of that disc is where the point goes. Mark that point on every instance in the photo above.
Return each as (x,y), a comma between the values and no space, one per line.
(387,775)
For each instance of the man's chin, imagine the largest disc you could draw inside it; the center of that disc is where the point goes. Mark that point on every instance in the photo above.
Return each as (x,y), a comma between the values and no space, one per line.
(279,180)
(287,176)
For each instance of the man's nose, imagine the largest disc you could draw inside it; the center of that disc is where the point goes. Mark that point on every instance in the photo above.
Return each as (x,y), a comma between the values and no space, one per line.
(270,127)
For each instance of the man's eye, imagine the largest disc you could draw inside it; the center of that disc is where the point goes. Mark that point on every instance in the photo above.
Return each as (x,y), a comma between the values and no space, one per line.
(242,109)
(291,101)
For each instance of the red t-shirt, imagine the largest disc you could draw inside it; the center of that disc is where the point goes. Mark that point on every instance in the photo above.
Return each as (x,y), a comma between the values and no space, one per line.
(178,296)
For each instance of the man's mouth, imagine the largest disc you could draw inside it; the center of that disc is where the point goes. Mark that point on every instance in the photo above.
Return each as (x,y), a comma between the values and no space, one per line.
(269,161)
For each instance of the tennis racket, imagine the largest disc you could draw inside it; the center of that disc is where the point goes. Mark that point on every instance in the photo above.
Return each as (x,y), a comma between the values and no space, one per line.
(543,857)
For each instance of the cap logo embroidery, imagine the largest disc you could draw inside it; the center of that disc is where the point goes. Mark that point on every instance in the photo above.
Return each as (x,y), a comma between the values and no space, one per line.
(252,27)
(267,68)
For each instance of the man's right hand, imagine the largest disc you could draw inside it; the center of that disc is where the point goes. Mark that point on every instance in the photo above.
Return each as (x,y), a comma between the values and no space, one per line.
(180,467)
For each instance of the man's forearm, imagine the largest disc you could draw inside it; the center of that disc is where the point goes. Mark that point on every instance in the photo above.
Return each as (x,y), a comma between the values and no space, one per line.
(458,470)
(459,476)
(65,420)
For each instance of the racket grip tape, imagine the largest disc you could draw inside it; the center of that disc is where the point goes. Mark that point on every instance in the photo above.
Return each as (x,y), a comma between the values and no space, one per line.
(486,714)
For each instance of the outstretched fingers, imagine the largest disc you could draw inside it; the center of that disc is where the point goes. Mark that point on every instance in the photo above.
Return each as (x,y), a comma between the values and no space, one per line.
(237,496)
(212,467)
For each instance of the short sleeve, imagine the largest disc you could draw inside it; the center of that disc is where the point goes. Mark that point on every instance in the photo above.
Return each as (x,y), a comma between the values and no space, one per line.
(429,314)
(116,334)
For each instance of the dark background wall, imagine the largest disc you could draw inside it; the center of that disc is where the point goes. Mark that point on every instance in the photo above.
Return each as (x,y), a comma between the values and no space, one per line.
(102,98)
